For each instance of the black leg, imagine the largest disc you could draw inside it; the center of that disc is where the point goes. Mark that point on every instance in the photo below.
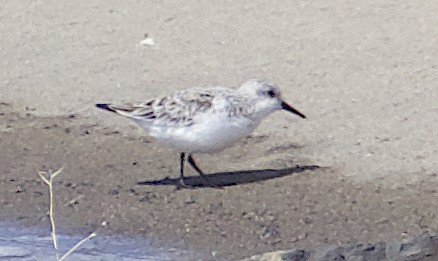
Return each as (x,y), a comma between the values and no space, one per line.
(200,172)
(181,171)
(193,164)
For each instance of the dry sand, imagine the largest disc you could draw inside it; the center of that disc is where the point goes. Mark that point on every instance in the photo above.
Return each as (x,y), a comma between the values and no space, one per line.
(364,73)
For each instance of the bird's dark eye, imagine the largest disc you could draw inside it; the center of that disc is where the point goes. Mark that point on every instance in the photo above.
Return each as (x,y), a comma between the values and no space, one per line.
(271,93)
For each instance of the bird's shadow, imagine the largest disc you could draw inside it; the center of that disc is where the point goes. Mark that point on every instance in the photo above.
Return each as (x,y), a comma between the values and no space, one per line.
(225,179)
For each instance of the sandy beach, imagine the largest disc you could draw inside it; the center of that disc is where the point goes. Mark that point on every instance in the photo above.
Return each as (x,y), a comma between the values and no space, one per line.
(362,168)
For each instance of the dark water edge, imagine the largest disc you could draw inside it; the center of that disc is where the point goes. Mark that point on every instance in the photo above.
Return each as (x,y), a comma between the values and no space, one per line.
(421,248)
(19,243)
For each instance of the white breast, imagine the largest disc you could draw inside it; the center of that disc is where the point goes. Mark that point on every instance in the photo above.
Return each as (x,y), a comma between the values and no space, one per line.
(209,133)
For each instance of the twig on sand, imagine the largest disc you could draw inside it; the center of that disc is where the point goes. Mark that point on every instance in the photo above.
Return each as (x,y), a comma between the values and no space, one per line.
(48,178)
(90,236)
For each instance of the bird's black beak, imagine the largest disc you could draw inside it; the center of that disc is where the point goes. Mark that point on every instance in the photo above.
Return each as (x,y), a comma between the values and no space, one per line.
(289,108)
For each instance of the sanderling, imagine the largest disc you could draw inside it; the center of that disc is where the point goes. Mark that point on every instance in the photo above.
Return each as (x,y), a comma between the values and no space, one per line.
(204,120)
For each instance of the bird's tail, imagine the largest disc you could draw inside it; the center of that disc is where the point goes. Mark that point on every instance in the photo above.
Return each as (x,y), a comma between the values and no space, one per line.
(105,106)
(127,110)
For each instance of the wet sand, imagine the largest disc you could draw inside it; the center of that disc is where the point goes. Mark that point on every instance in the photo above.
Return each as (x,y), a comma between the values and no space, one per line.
(259,209)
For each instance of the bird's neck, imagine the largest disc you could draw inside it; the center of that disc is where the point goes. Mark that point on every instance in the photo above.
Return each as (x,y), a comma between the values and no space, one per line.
(260,113)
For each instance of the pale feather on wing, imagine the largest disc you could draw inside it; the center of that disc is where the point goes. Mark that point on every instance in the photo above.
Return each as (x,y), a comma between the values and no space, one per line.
(174,110)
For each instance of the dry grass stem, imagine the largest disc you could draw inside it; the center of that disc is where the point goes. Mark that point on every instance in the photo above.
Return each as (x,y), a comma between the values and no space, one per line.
(49,182)
(77,245)
(48,178)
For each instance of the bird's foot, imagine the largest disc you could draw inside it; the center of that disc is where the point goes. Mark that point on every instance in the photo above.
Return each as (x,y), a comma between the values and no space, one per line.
(182,184)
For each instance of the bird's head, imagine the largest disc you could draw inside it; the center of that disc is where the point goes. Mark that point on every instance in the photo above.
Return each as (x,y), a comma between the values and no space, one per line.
(266,97)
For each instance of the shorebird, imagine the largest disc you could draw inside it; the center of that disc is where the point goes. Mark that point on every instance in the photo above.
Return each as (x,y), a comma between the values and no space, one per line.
(204,120)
